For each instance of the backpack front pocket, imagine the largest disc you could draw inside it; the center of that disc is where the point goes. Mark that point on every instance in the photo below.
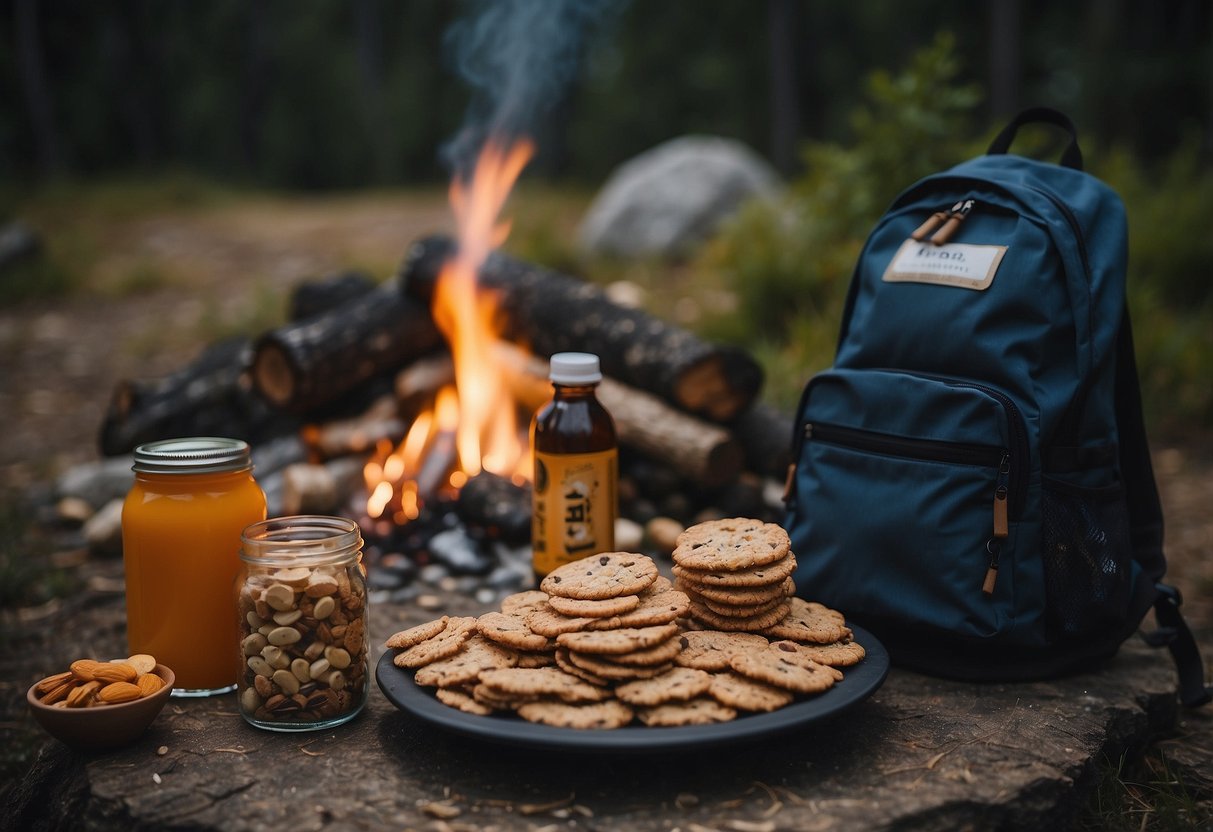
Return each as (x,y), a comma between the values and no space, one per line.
(905,497)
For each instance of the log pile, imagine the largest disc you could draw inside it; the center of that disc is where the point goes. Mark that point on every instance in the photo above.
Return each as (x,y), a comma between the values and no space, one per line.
(357,361)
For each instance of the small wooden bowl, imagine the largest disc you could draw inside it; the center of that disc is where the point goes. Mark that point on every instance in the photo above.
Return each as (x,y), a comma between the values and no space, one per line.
(102,726)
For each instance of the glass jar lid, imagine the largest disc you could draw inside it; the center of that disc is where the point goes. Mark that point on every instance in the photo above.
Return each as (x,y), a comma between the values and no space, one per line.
(193,455)
(301,540)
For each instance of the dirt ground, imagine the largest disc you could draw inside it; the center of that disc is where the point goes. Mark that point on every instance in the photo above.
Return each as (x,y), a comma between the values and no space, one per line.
(224,266)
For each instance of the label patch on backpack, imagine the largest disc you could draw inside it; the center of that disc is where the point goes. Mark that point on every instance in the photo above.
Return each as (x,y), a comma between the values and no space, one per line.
(955,264)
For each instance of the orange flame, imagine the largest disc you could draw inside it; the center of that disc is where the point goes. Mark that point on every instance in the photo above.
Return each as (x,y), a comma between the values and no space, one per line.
(474,426)
(487,435)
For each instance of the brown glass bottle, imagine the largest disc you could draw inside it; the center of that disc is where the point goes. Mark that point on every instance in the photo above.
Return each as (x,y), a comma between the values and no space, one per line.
(576,468)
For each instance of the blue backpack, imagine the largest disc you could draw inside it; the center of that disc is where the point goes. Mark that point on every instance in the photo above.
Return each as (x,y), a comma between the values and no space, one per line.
(971,479)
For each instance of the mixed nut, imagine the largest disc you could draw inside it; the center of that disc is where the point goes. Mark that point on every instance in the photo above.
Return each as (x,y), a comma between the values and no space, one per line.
(91,683)
(303,641)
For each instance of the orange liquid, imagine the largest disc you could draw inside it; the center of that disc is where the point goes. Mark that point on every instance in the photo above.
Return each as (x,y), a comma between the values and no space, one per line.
(181,543)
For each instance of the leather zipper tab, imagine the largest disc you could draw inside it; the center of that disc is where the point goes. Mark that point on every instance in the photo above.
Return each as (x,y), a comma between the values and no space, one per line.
(1001,526)
(930,224)
(993,546)
(955,217)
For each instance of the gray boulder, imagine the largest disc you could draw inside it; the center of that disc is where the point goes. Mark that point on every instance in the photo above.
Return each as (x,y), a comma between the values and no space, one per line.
(672,197)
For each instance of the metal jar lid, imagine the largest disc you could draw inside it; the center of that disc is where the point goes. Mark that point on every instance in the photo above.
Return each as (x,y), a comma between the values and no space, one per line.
(193,455)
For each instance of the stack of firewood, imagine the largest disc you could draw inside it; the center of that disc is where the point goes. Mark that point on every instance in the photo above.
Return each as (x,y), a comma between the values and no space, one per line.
(357,360)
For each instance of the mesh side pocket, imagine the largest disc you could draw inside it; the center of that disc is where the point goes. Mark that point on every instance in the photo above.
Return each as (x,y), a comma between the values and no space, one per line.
(1088,560)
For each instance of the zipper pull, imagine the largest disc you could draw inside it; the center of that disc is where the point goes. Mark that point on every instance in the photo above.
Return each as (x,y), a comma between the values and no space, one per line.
(957,215)
(993,546)
(932,222)
(1002,526)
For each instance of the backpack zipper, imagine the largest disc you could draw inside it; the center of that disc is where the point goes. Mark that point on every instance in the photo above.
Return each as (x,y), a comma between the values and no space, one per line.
(927,450)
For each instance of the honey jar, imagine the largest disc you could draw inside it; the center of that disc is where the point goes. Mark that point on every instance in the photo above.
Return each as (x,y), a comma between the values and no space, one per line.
(181,525)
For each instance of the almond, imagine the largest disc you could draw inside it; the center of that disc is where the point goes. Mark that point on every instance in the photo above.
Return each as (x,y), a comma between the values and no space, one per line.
(51,682)
(115,672)
(83,669)
(59,693)
(142,662)
(149,683)
(82,696)
(118,692)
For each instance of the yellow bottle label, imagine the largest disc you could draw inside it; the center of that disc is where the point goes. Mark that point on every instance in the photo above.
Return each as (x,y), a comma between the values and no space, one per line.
(574,507)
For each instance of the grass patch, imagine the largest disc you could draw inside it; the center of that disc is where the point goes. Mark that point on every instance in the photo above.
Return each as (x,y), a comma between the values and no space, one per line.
(1147,796)
(26,576)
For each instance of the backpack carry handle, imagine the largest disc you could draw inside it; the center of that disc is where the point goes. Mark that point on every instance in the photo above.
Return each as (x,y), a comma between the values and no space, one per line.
(1071,157)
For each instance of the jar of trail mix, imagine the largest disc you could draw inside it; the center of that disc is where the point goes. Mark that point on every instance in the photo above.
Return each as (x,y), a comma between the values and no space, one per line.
(301,597)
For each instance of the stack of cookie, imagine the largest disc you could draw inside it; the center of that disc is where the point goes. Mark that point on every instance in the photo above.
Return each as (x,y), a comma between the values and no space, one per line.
(606,640)
(737,573)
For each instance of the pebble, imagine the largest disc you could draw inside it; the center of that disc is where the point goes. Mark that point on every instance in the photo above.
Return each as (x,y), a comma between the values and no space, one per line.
(458,552)
(628,535)
(433,573)
(103,530)
(429,602)
(663,533)
(73,510)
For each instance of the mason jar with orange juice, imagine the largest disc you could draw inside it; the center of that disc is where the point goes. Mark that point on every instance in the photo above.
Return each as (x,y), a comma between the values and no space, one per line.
(181,526)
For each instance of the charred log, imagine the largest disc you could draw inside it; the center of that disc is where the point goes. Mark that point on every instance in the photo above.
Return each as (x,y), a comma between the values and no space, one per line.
(212,396)
(306,364)
(550,312)
(497,507)
(765,433)
(317,297)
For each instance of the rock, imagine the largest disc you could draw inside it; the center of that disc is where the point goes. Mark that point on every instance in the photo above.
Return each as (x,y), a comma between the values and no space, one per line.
(73,510)
(666,200)
(628,535)
(460,554)
(103,530)
(18,243)
(98,482)
(663,533)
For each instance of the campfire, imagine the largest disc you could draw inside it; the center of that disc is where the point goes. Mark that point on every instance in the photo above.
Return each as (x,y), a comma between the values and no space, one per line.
(475,423)
(407,403)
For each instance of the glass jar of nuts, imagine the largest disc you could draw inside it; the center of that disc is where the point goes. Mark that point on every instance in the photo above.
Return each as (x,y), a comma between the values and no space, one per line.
(301,597)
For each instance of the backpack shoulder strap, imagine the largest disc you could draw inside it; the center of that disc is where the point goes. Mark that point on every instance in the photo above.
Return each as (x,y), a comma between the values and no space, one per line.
(1146,524)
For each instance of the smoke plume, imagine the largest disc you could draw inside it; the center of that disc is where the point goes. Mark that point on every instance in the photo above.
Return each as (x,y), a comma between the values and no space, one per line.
(518,56)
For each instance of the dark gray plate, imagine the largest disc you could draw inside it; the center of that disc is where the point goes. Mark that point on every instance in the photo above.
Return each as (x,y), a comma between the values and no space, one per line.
(860,682)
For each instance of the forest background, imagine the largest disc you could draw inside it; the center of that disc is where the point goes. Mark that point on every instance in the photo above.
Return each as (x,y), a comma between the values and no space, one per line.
(140,106)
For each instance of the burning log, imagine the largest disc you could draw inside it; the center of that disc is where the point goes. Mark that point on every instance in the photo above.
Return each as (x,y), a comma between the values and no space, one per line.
(309,363)
(356,435)
(417,383)
(211,396)
(551,312)
(698,450)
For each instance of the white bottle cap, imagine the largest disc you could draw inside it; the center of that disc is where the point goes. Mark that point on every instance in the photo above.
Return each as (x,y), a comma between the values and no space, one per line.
(575,368)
